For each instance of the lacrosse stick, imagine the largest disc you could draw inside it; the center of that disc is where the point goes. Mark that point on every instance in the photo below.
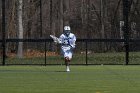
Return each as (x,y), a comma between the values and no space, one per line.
(55,39)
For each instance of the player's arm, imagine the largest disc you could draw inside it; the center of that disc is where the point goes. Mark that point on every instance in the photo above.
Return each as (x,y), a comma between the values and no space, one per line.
(72,41)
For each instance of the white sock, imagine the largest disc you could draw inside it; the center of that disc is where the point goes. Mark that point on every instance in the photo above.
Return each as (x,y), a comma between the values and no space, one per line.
(68,69)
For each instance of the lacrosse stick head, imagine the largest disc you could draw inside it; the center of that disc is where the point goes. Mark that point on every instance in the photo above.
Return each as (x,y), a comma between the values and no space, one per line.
(55,39)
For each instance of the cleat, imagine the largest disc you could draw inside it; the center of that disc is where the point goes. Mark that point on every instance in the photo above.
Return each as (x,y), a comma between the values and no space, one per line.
(68,70)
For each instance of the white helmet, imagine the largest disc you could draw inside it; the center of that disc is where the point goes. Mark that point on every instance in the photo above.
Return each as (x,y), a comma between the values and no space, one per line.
(66,27)
(67,30)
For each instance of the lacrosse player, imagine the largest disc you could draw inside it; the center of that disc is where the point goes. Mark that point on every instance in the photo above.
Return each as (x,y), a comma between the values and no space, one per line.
(68,40)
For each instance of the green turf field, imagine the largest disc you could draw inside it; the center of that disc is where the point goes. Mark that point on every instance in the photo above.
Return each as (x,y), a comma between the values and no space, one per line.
(81,79)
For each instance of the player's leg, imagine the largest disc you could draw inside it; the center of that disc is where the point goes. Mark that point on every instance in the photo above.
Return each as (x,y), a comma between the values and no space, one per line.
(67,63)
(67,57)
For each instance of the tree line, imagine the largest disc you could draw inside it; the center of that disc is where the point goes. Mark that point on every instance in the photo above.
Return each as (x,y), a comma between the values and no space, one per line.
(88,19)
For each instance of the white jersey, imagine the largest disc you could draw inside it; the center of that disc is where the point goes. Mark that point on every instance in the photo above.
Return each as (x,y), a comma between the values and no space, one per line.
(67,44)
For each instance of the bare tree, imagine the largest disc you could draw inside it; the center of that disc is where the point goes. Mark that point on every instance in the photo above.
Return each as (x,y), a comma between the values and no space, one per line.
(66,12)
(20,29)
(11,27)
(61,15)
(102,20)
(88,19)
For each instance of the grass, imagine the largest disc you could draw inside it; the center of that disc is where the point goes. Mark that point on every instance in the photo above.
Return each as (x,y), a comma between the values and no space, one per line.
(81,79)
(94,58)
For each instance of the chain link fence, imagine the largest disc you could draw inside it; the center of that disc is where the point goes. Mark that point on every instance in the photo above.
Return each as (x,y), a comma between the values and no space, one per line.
(85,53)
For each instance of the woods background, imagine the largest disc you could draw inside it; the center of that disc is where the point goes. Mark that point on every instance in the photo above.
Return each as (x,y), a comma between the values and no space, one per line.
(92,19)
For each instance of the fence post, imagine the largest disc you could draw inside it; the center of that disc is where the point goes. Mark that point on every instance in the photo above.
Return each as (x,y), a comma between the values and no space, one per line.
(45,53)
(126,29)
(3,31)
(86,53)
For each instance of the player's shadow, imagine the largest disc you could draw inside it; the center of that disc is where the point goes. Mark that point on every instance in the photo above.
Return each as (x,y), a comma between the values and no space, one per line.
(60,71)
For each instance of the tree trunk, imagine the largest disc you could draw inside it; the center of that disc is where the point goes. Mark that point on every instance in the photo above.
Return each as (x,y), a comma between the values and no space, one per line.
(66,12)
(20,28)
(102,20)
(102,26)
(61,16)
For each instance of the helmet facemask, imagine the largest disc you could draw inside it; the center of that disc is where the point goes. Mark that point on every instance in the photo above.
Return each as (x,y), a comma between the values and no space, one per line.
(67,30)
